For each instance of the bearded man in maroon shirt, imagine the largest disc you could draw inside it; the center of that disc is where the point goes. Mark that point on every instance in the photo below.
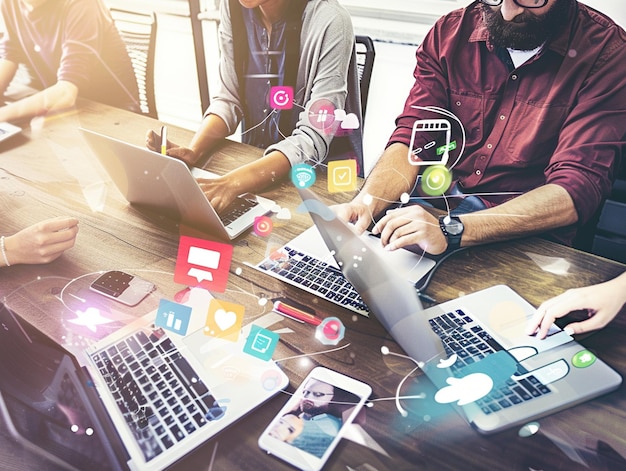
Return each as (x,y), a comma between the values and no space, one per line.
(532,97)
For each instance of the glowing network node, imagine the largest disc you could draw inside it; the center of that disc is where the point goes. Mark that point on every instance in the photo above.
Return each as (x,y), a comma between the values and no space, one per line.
(436,180)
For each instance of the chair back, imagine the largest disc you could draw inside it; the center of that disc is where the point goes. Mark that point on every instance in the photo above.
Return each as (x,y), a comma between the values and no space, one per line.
(365,54)
(138,31)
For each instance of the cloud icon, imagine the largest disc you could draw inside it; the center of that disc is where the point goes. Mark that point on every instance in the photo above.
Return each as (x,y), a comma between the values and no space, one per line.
(340,115)
(283,214)
(465,390)
(350,122)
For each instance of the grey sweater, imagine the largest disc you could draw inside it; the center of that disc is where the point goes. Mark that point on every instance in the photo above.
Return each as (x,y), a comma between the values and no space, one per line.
(326,71)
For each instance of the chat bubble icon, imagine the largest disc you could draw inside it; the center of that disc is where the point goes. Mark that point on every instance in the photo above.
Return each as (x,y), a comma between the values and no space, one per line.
(203,263)
(200,275)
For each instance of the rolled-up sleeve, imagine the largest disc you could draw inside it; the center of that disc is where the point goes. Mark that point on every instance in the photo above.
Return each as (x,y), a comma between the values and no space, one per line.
(592,140)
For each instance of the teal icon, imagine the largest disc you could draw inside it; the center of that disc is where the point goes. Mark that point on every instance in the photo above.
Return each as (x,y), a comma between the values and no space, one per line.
(583,359)
(302,175)
(261,343)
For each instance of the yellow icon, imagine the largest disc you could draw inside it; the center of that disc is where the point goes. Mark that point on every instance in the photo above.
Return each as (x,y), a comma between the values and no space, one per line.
(224,320)
(342,175)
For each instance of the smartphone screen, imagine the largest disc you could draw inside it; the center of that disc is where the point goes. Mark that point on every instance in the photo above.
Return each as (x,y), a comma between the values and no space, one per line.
(122,287)
(309,426)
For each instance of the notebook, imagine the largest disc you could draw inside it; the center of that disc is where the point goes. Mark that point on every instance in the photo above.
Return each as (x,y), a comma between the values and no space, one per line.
(474,348)
(156,181)
(8,130)
(143,398)
(306,262)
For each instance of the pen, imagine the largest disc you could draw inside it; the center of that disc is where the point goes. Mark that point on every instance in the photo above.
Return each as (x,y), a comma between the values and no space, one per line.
(295,313)
(164,140)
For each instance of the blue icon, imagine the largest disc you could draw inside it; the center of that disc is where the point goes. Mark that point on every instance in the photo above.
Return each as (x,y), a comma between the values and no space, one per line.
(261,343)
(302,175)
(173,317)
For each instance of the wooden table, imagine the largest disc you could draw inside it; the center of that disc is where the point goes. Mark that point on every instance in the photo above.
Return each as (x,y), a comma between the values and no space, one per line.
(49,171)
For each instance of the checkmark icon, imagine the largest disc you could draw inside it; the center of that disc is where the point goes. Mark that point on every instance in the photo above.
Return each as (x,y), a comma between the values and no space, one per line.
(341,175)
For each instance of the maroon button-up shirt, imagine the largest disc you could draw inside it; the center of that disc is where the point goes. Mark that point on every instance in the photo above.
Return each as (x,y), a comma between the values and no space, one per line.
(560,118)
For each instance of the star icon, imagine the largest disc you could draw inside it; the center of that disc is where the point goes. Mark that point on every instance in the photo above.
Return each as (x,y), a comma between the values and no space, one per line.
(91,318)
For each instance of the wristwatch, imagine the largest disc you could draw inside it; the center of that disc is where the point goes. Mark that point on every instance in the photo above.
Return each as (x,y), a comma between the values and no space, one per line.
(452,228)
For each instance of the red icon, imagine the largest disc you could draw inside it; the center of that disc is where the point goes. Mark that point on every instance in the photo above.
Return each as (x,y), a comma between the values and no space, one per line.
(203,263)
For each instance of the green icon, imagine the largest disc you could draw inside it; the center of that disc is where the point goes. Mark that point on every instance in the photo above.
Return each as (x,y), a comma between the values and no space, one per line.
(583,359)
(442,149)
(436,180)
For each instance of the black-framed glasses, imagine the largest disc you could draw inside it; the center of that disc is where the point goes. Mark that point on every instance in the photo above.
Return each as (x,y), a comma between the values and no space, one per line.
(519,3)
(315,394)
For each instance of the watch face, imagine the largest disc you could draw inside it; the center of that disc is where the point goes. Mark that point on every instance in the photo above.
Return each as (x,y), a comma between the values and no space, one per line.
(453,226)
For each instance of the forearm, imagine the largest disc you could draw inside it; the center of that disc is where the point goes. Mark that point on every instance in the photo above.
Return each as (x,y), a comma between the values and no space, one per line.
(57,97)
(540,210)
(391,177)
(212,130)
(259,174)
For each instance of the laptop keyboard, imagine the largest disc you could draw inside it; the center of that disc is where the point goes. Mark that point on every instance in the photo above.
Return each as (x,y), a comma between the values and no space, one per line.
(315,276)
(471,343)
(160,396)
(236,209)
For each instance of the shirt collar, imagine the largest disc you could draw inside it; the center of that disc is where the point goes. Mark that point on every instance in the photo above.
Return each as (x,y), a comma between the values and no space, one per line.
(558,44)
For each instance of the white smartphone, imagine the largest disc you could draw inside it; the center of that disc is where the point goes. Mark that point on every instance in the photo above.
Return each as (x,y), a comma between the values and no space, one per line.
(123,287)
(307,429)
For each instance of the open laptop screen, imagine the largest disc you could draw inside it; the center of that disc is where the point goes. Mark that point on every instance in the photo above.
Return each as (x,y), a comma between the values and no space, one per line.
(47,403)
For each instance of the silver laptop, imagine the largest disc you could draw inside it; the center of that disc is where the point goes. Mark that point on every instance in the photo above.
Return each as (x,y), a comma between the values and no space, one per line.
(156,181)
(474,348)
(143,398)
(307,263)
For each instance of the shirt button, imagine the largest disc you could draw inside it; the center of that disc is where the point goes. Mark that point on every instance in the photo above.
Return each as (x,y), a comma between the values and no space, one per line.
(489,146)
(513,77)
(478,172)
(37,48)
(482,157)
(502,117)
(458,103)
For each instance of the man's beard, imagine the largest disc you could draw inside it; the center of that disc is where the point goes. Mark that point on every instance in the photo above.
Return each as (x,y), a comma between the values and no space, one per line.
(310,409)
(526,31)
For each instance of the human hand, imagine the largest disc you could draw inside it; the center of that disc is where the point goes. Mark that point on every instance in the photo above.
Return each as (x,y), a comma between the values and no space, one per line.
(355,213)
(42,242)
(602,303)
(220,191)
(411,226)
(153,142)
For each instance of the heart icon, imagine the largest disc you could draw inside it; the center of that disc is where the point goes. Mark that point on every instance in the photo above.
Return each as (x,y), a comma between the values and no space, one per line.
(225,319)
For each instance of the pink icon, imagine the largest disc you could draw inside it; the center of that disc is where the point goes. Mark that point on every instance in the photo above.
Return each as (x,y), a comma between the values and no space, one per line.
(263,226)
(281,98)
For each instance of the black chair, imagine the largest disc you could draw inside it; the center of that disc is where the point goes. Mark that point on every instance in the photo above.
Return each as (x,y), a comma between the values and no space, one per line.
(365,54)
(138,30)
(609,240)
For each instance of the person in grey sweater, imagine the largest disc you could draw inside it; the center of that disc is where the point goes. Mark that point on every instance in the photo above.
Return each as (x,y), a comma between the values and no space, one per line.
(322,77)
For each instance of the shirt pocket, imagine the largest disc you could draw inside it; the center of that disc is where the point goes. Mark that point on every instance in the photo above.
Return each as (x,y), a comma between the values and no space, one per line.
(532,133)
(469,108)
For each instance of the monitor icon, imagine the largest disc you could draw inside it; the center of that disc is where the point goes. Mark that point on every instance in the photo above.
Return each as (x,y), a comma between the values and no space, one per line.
(203,263)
